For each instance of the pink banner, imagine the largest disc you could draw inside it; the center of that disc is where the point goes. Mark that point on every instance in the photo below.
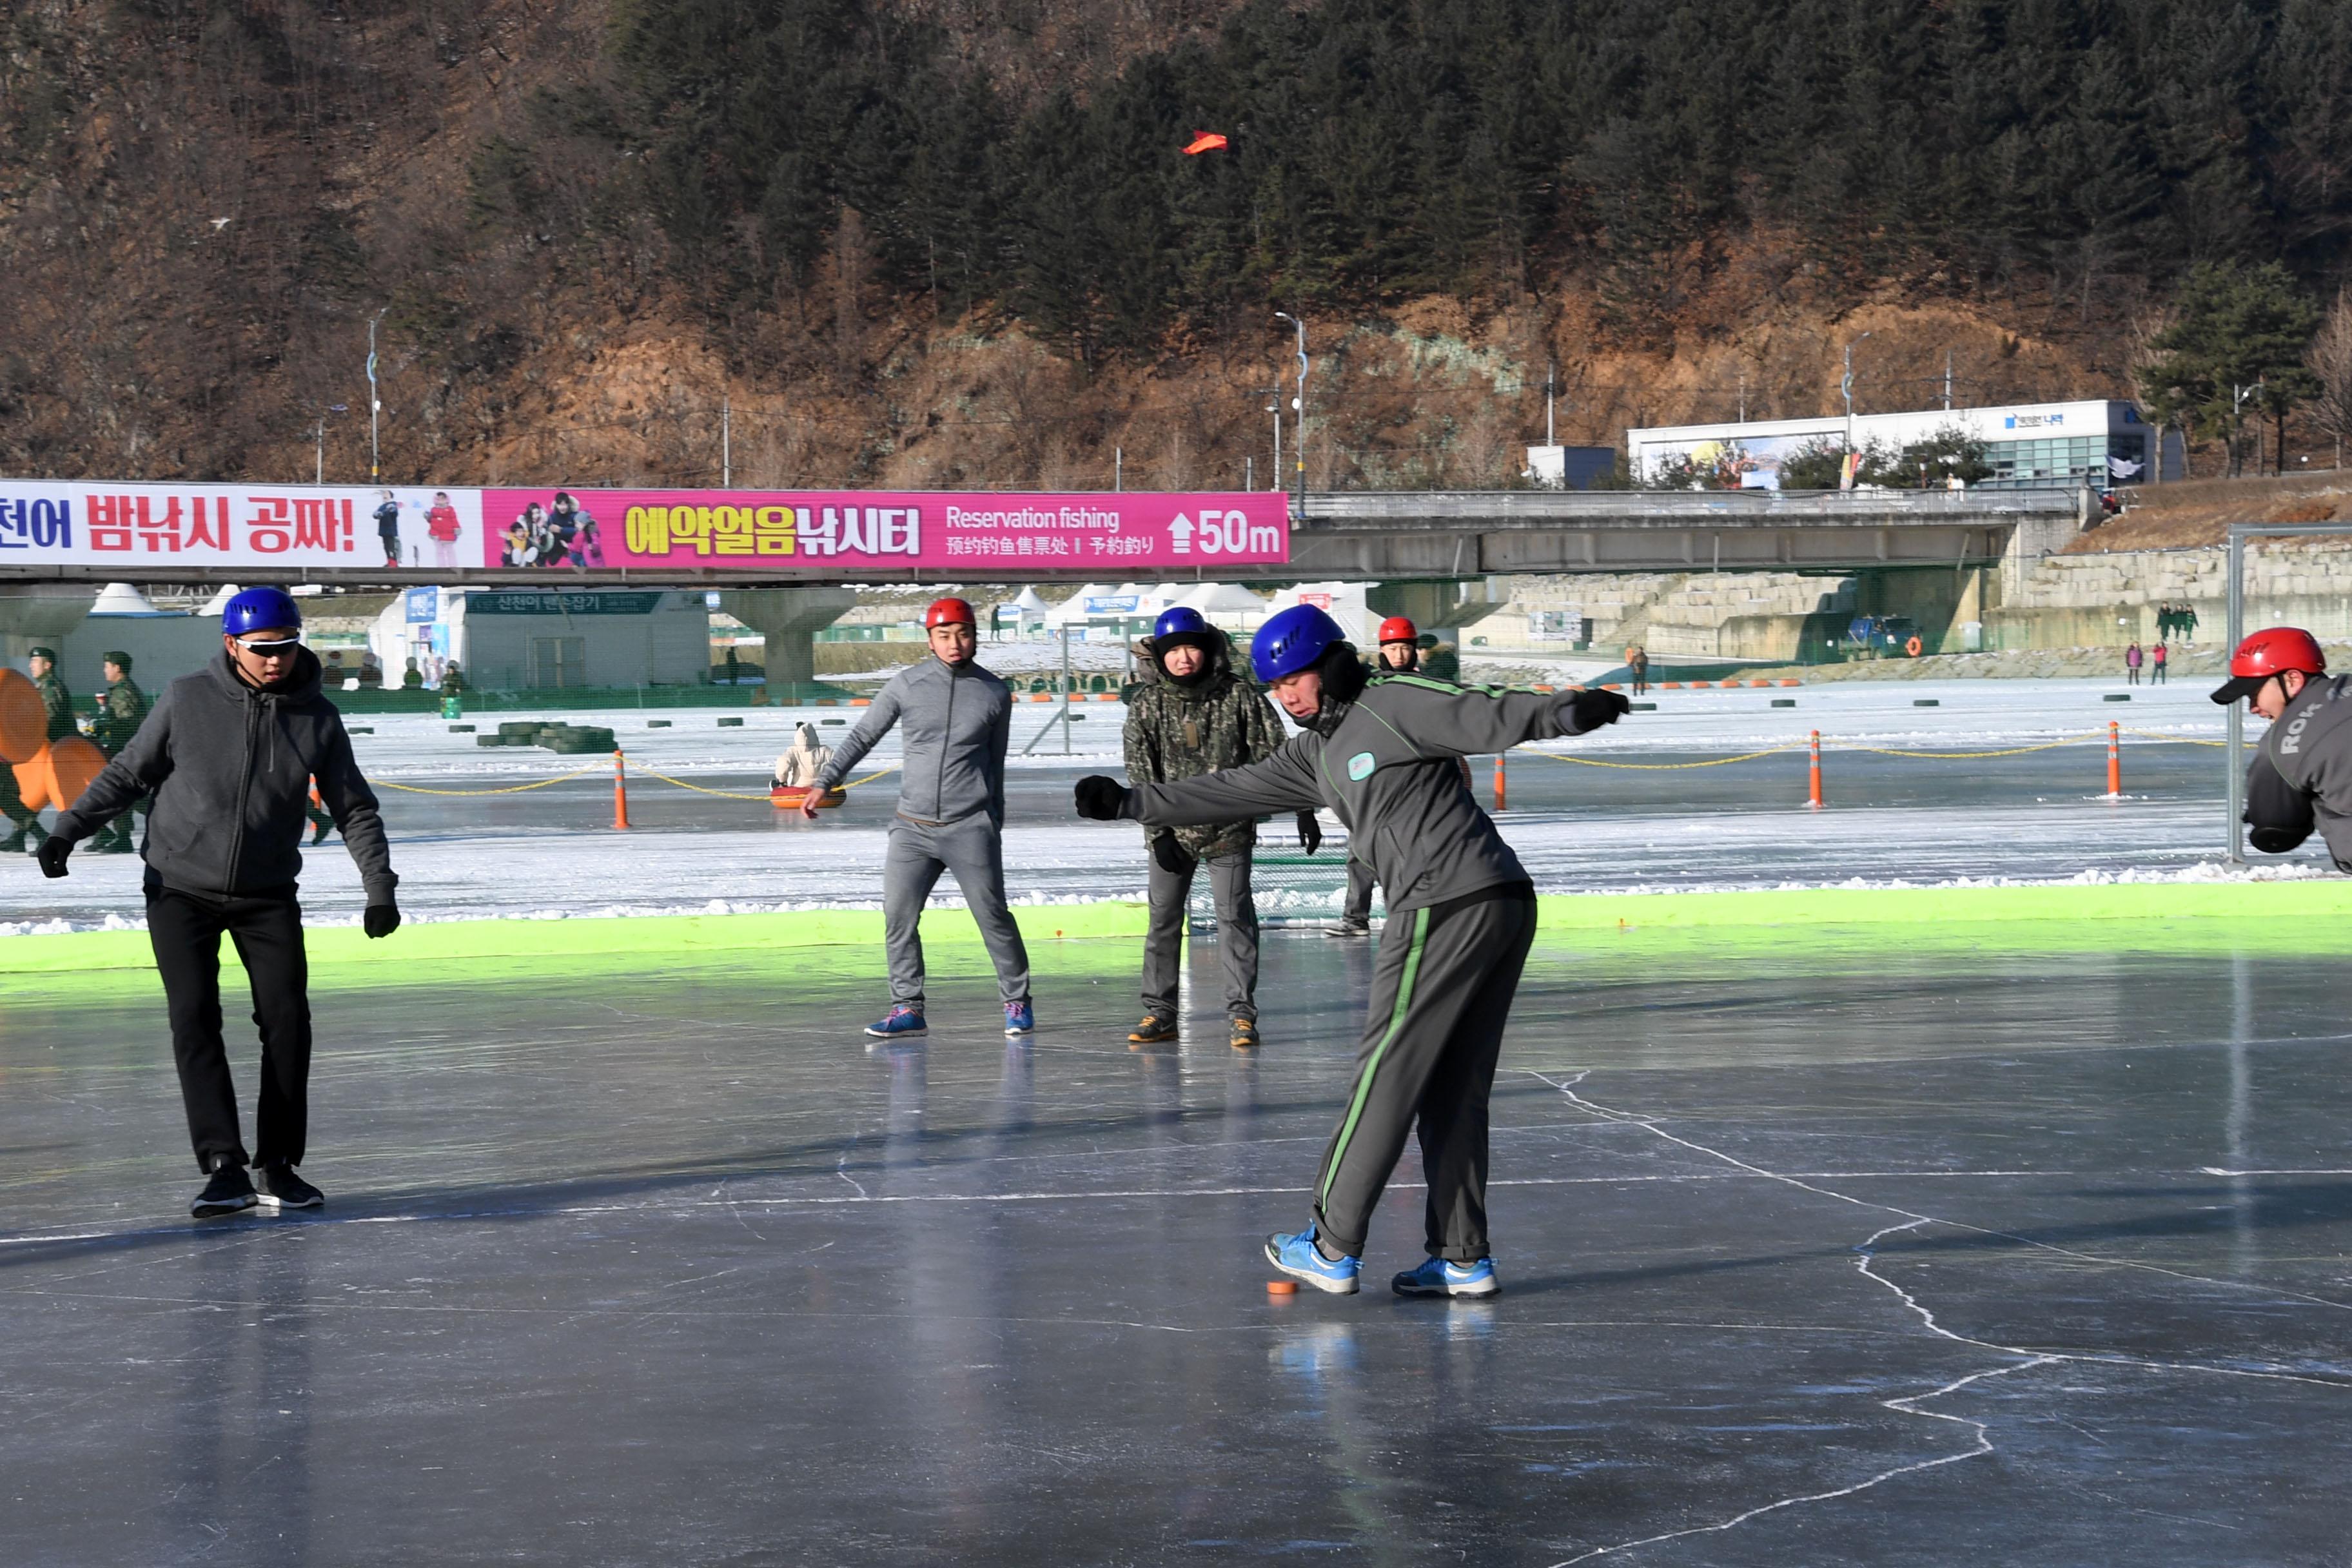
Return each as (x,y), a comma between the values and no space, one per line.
(952,534)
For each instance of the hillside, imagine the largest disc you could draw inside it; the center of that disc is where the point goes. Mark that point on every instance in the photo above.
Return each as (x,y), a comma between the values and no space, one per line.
(955,242)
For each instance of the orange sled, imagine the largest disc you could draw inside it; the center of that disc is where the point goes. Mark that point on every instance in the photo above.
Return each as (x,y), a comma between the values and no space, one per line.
(788,797)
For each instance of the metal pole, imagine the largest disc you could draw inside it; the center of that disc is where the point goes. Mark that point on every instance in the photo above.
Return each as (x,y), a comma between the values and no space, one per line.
(1249,473)
(725,443)
(1118,469)
(320,476)
(1298,432)
(2237,725)
(1275,408)
(1066,689)
(375,404)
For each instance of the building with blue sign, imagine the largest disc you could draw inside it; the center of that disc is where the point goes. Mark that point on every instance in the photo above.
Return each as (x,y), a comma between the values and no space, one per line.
(2041,446)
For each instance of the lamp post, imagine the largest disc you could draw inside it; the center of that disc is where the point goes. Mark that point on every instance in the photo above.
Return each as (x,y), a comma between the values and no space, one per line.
(1275,408)
(1298,434)
(1845,390)
(375,404)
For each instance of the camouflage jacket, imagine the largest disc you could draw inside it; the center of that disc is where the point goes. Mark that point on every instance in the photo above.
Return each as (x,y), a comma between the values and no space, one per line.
(59,703)
(1179,732)
(119,714)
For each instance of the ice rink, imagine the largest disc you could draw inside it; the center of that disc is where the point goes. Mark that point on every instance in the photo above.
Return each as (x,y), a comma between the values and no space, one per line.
(2022,1246)
(2037,816)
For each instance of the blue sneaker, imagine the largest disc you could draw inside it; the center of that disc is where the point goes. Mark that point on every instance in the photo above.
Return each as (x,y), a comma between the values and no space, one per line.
(1297,1256)
(901,1021)
(1020,1018)
(1436,1276)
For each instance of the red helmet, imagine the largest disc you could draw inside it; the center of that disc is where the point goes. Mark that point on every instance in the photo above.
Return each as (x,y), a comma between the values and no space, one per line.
(950,613)
(2272,651)
(1396,628)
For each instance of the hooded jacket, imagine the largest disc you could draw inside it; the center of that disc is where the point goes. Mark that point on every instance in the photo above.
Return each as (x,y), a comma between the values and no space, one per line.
(1387,763)
(1179,729)
(2302,777)
(230,766)
(958,719)
(798,766)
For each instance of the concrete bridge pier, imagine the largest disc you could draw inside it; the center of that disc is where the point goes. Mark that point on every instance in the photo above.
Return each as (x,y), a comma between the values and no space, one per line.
(789,618)
(39,613)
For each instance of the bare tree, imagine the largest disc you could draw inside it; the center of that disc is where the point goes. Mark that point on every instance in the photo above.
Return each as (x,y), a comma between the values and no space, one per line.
(2329,360)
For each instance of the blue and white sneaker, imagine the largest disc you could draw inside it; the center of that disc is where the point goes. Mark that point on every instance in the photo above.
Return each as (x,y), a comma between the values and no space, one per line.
(1020,1018)
(901,1021)
(1436,1276)
(1297,1256)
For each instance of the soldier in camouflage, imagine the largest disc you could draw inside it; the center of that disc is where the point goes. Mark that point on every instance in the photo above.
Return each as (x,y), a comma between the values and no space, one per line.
(121,711)
(1197,716)
(42,664)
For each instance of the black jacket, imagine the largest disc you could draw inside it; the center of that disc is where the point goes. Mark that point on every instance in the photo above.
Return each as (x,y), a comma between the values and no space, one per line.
(230,766)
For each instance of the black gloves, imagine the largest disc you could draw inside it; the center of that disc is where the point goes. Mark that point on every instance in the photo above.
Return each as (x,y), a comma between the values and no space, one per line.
(1170,854)
(1310,832)
(381,919)
(1591,708)
(1100,798)
(52,854)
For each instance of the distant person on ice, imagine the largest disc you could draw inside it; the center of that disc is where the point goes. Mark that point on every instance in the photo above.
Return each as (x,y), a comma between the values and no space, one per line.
(2301,778)
(958,718)
(229,754)
(798,767)
(1387,757)
(1400,655)
(1197,717)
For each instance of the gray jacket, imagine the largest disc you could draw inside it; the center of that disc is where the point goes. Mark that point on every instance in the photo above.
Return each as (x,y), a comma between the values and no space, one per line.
(956,722)
(1388,764)
(230,766)
(2310,750)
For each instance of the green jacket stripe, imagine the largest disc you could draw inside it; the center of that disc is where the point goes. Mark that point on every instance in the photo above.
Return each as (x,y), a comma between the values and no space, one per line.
(1372,1065)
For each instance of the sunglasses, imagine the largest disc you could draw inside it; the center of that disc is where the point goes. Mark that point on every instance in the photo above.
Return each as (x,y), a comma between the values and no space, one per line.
(271,648)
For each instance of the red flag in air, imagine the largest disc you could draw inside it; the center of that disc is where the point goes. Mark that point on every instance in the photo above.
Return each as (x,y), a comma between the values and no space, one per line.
(1203,142)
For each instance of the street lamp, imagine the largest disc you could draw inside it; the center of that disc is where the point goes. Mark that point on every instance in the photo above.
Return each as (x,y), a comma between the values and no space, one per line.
(1845,390)
(1275,408)
(376,404)
(318,475)
(1299,433)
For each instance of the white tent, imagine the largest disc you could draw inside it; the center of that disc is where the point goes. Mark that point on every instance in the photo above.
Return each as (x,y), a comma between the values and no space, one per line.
(1072,610)
(122,599)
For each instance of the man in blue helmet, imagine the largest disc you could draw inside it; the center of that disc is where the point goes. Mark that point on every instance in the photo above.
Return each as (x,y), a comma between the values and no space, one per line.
(1199,717)
(228,755)
(1386,756)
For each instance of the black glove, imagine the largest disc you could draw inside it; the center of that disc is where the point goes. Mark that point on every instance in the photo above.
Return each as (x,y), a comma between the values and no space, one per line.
(52,855)
(1591,708)
(1168,855)
(381,919)
(1100,798)
(1310,832)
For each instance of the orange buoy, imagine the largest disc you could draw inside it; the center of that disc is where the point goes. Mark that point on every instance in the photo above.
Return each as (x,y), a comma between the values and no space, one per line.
(24,720)
(1282,1286)
(789,797)
(74,765)
(1913,647)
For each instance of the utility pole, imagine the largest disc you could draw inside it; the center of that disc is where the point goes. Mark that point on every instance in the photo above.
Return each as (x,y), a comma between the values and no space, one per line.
(726,442)
(1551,378)
(1298,441)
(1118,469)
(1947,381)
(375,404)
(319,476)
(1275,408)
(1743,396)
(1845,390)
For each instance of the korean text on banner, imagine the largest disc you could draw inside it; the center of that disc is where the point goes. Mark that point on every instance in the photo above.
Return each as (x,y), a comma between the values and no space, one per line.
(279,528)
(823,531)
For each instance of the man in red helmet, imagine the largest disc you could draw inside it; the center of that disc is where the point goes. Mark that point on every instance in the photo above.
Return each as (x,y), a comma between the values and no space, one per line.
(958,718)
(1400,655)
(2302,777)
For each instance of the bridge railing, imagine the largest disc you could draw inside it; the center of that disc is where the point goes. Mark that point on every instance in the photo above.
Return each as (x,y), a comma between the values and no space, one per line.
(1761,508)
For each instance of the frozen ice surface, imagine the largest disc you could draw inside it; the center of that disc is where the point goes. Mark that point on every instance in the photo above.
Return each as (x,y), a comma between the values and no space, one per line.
(1920,821)
(1836,1258)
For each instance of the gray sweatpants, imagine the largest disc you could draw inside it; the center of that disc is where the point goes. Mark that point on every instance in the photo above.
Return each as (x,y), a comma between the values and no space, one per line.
(1229,879)
(973,848)
(1441,992)
(1358,906)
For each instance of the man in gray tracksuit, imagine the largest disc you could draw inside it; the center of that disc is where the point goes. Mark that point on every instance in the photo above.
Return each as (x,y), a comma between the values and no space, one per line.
(1386,757)
(2300,780)
(957,720)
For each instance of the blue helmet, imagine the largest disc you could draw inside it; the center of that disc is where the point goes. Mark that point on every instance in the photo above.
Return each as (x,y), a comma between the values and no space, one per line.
(260,609)
(1293,640)
(1182,621)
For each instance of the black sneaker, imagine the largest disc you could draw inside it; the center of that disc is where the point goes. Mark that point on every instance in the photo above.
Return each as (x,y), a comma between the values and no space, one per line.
(282,1189)
(229,1190)
(1244,1037)
(1349,925)
(1155,1027)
